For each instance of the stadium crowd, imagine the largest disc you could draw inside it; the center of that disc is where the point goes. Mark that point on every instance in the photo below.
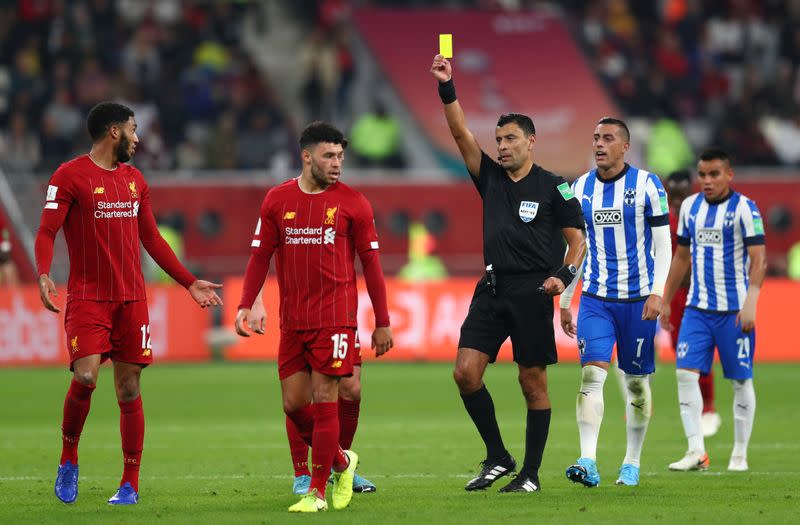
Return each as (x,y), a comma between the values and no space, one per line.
(198,96)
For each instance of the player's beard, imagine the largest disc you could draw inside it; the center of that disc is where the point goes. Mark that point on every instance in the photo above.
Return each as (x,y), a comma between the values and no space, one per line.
(122,149)
(319,176)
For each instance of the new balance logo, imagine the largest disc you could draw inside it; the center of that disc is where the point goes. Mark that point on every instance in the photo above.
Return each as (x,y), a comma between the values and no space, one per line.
(608,216)
(709,236)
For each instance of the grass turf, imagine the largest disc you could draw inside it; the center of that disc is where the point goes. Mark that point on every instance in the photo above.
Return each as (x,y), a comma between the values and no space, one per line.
(215,451)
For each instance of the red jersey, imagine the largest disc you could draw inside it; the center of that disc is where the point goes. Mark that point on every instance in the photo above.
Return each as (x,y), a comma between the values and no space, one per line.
(104,214)
(315,238)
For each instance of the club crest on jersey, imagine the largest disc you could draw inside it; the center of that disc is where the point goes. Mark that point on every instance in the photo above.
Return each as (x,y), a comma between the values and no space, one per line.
(134,191)
(527,210)
(629,198)
(581,346)
(330,215)
(729,217)
(73,344)
(683,349)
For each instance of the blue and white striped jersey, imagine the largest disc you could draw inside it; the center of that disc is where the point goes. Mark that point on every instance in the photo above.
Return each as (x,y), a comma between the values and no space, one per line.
(619,214)
(718,236)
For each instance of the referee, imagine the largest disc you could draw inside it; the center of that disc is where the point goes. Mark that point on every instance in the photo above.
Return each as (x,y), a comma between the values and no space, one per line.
(526,211)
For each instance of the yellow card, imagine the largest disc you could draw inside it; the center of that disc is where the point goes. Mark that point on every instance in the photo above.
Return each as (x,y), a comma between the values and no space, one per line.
(446,46)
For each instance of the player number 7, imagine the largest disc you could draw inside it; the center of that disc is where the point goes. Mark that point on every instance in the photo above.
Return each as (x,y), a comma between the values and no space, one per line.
(639,343)
(339,345)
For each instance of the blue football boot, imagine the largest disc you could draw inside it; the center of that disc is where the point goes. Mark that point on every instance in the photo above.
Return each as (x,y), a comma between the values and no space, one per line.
(66,487)
(584,471)
(301,484)
(125,496)
(628,475)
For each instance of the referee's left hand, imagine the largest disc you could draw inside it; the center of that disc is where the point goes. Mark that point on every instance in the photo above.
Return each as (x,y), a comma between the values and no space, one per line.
(553,286)
(652,308)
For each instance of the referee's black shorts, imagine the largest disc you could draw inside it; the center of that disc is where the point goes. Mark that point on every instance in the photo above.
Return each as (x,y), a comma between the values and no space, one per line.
(517,310)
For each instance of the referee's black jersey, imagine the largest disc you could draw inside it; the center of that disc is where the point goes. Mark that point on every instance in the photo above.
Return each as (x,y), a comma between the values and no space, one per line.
(522,220)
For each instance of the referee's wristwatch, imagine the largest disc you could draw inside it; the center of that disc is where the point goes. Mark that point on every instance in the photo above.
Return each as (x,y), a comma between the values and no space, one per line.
(572,269)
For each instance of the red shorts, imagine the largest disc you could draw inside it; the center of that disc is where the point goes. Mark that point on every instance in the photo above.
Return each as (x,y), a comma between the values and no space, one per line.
(116,330)
(330,351)
(676,313)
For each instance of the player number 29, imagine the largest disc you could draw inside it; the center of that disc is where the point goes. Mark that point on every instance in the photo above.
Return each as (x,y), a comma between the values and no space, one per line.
(339,345)
(744,347)
(147,344)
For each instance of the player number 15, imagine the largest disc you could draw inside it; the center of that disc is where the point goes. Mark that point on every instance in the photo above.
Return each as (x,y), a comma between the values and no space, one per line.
(339,346)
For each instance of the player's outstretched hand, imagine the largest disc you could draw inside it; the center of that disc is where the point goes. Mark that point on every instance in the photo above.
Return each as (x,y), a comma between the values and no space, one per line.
(566,323)
(652,308)
(257,318)
(46,289)
(666,311)
(203,293)
(241,322)
(382,340)
(553,286)
(441,68)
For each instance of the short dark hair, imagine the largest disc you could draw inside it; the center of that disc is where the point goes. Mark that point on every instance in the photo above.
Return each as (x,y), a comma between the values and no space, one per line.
(715,154)
(317,132)
(523,121)
(680,176)
(619,123)
(104,115)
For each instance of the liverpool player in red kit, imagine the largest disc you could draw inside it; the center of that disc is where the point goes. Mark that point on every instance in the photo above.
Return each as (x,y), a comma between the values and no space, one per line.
(314,225)
(103,205)
(679,186)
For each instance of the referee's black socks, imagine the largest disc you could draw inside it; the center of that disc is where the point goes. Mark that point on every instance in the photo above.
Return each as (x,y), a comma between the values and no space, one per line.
(535,440)
(480,408)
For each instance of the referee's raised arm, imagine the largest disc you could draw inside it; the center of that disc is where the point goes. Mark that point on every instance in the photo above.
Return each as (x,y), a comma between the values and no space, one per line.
(467,145)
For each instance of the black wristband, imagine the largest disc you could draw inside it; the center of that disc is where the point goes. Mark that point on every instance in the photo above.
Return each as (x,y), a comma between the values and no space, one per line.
(447,91)
(565,273)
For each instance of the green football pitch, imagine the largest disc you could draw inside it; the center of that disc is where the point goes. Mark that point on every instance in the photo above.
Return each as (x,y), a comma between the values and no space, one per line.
(215,452)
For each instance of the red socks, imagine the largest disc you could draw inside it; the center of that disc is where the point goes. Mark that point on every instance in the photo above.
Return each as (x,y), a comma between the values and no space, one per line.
(707,391)
(348,421)
(318,426)
(131,427)
(298,448)
(76,408)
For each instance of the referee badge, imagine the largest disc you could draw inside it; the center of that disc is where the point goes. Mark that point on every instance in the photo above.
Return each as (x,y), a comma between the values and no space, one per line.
(527,210)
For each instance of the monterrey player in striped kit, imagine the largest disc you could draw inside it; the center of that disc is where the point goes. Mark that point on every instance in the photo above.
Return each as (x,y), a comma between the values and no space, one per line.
(103,205)
(627,218)
(314,225)
(721,238)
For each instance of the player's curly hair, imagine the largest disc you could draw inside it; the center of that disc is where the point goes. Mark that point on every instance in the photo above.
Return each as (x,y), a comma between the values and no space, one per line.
(103,116)
(318,131)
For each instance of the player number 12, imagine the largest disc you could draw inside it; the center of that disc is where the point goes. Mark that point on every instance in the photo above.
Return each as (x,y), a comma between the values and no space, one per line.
(339,345)
(147,344)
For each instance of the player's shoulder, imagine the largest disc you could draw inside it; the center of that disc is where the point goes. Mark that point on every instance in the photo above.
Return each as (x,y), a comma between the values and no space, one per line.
(280,191)
(691,200)
(67,172)
(129,169)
